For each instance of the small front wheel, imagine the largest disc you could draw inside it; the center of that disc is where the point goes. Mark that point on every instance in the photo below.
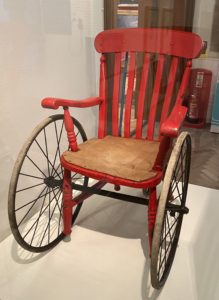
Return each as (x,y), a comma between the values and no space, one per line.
(170,211)
(35,193)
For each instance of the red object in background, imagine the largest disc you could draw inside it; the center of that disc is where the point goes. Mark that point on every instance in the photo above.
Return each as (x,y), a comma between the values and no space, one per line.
(199,92)
(193,109)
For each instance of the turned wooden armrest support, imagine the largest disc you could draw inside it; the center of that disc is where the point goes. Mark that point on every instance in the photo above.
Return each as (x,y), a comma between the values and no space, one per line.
(69,127)
(171,126)
(55,103)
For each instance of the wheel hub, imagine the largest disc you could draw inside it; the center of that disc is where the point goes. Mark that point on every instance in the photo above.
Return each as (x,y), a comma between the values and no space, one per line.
(177,209)
(52,182)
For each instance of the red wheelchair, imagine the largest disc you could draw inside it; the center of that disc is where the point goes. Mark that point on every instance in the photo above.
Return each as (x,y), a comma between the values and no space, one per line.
(56,172)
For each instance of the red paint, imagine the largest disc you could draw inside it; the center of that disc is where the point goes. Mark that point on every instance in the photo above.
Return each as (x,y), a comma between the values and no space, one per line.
(163,42)
(129,94)
(141,97)
(172,125)
(169,90)
(85,195)
(154,40)
(55,103)
(184,83)
(117,187)
(112,179)
(69,126)
(67,202)
(103,104)
(116,90)
(200,87)
(152,209)
(165,146)
(155,96)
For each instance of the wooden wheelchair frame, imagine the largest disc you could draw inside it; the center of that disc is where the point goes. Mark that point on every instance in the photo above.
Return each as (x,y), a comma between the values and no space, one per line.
(164,44)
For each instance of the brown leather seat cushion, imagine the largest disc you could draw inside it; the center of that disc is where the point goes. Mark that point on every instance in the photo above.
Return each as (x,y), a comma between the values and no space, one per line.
(127,158)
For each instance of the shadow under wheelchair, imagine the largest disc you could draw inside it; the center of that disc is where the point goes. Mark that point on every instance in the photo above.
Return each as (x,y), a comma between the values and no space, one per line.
(123,220)
(111,217)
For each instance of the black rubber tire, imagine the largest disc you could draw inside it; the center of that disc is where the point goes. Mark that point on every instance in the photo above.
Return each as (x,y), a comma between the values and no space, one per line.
(38,162)
(168,223)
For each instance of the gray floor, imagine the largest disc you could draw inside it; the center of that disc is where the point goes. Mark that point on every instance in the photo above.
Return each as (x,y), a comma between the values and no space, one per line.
(205,157)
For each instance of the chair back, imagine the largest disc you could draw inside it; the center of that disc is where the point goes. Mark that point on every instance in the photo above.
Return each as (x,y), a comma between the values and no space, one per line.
(162,77)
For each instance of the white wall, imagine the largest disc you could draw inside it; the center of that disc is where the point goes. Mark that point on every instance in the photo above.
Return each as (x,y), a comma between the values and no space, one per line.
(202,25)
(203,18)
(46,49)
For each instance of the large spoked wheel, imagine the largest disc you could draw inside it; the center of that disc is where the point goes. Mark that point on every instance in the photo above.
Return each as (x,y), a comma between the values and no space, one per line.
(35,193)
(170,211)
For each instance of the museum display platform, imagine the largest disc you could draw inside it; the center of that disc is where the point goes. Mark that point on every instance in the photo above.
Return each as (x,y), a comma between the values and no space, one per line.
(107,256)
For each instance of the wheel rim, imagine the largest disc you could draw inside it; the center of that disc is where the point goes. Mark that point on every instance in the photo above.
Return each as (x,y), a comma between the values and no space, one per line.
(35,194)
(169,220)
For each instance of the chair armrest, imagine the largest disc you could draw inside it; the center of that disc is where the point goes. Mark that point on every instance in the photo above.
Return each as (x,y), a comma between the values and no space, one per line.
(171,126)
(55,103)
